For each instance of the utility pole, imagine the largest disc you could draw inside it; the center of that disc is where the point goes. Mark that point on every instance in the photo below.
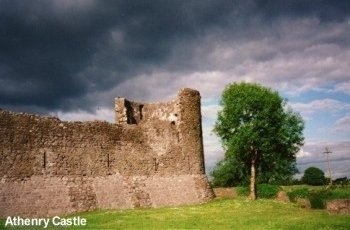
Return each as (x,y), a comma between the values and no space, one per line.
(327,152)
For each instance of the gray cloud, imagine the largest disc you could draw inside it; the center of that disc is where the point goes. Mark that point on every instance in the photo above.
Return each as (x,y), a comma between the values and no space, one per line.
(313,155)
(70,55)
(53,55)
(71,58)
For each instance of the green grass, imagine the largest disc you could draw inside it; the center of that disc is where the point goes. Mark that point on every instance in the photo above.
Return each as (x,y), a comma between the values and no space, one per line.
(237,213)
(339,193)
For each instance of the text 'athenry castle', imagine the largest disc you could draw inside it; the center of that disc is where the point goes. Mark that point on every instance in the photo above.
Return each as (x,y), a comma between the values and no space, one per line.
(151,157)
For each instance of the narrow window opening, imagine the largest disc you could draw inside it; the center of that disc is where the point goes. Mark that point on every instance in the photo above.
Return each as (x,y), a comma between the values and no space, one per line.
(140,109)
(156,164)
(44,160)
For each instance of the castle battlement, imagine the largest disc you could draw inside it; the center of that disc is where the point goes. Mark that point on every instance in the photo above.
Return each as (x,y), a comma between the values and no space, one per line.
(151,157)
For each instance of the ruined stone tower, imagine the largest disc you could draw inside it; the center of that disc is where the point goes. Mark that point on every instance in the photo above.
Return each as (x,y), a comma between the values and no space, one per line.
(151,157)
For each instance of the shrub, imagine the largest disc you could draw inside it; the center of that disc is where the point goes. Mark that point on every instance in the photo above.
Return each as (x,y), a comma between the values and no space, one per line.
(341,181)
(318,198)
(267,190)
(242,191)
(296,182)
(298,193)
(263,190)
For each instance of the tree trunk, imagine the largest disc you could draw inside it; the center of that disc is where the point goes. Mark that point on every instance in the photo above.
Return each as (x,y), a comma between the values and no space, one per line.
(252,194)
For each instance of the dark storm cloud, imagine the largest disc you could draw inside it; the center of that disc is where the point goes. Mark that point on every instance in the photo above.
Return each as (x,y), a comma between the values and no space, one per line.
(50,55)
(41,53)
(54,53)
(325,10)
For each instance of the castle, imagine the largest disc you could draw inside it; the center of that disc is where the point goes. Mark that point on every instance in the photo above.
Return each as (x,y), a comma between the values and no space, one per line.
(151,157)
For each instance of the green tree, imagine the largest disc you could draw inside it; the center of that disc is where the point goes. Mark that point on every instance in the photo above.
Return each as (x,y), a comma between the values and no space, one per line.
(313,176)
(228,173)
(258,133)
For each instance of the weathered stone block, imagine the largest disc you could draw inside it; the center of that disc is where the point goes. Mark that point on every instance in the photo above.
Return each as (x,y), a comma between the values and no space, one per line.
(151,157)
(340,206)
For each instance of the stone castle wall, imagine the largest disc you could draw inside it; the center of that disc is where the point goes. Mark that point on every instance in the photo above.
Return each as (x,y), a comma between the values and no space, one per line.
(151,157)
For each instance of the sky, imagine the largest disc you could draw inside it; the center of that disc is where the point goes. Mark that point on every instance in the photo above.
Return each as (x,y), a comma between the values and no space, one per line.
(71,58)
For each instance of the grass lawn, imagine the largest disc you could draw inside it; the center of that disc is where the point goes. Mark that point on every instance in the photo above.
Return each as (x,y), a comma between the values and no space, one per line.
(235,213)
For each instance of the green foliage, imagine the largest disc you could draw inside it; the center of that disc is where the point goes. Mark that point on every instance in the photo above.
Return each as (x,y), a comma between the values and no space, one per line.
(267,190)
(280,174)
(318,198)
(341,181)
(291,181)
(314,176)
(298,193)
(255,124)
(229,173)
(242,191)
(342,192)
(296,182)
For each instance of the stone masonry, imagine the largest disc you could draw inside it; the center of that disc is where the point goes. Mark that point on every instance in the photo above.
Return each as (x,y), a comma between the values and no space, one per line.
(151,157)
